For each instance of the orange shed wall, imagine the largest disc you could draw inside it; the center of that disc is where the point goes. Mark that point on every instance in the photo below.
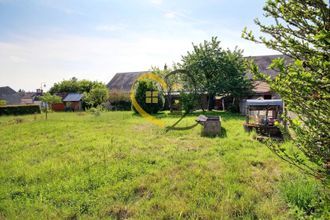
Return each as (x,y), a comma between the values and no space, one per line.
(58,107)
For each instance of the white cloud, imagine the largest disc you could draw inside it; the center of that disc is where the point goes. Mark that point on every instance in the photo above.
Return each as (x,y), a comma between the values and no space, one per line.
(26,61)
(53,59)
(109,28)
(17,59)
(156,2)
(170,15)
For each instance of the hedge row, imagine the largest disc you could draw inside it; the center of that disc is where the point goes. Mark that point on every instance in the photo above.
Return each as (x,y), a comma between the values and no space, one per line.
(19,109)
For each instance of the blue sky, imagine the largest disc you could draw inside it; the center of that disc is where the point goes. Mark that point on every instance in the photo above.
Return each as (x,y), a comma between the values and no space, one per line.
(48,40)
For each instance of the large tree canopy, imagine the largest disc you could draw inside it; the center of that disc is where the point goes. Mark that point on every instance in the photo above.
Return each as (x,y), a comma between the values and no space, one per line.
(74,85)
(216,71)
(301,31)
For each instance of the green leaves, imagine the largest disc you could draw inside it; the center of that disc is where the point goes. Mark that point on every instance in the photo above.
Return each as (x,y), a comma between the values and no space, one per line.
(96,96)
(50,99)
(301,31)
(217,71)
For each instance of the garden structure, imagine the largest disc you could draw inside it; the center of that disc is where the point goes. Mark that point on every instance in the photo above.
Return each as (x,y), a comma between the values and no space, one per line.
(262,116)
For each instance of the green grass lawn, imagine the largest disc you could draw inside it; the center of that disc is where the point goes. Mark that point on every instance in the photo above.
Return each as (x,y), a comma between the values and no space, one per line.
(118,166)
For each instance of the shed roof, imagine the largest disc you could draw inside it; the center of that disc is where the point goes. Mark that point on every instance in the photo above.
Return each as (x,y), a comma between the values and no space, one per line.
(124,81)
(73,97)
(268,102)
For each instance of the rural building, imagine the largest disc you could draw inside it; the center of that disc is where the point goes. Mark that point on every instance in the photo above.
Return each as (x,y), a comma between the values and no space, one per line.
(73,102)
(28,98)
(10,96)
(59,106)
(123,82)
(31,97)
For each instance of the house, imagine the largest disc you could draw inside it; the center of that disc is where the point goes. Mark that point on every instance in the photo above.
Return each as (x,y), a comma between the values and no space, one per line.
(10,96)
(262,89)
(73,102)
(124,81)
(28,98)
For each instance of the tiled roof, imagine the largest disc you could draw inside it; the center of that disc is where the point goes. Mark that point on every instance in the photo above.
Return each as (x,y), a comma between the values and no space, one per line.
(6,90)
(9,95)
(260,87)
(263,63)
(124,81)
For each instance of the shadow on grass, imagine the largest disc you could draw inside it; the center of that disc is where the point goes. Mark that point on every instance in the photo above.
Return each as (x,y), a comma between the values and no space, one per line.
(223,114)
(223,133)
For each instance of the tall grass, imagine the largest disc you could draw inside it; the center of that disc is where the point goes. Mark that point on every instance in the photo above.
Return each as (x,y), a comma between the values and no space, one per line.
(306,197)
(119,166)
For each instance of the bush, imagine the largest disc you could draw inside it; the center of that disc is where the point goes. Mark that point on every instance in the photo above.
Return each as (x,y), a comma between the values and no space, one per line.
(188,101)
(305,198)
(96,111)
(120,100)
(19,109)
(3,102)
(121,105)
(142,94)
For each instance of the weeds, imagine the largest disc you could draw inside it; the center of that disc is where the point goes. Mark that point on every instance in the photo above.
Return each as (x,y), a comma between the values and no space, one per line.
(306,198)
(117,165)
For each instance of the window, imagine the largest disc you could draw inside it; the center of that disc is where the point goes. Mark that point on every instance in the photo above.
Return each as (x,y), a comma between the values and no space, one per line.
(151,97)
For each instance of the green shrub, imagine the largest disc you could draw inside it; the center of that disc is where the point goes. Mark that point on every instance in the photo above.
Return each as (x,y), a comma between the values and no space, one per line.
(121,105)
(188,101)
(120,100)
(141,96)
(19,109)
(3,102)
(96,111)
(305,198)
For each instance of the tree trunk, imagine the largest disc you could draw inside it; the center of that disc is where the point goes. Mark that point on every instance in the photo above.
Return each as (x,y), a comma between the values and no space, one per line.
(211,101)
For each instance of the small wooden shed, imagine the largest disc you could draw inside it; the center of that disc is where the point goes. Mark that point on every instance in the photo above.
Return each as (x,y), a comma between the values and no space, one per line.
(73,102)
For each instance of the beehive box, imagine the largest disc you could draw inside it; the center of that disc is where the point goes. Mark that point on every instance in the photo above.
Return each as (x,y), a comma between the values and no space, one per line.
(211,125)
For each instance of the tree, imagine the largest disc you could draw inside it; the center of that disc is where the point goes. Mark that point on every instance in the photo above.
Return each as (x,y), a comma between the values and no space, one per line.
(3,102)
(96,96)
(217,71)
(173,81)
(302,32)
(98,90)
(74,85)
(149,96)
(49,99)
